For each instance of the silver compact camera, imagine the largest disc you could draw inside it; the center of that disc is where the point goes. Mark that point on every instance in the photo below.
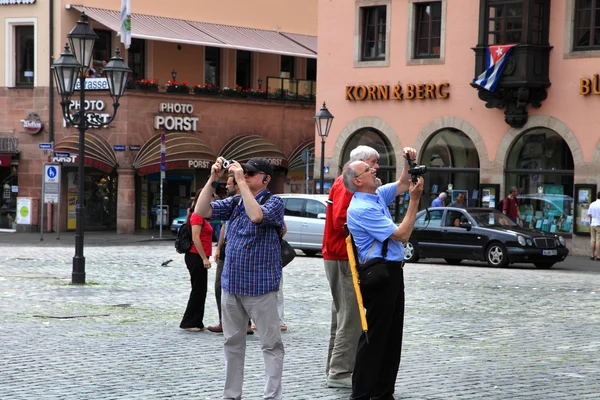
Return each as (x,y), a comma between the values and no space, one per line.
(226,163)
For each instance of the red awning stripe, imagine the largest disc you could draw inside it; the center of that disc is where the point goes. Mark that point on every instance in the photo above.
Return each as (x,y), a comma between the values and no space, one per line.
(244,147)
(180,149)
(295,158)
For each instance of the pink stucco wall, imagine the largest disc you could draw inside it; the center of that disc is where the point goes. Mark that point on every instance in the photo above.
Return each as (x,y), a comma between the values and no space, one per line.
(408,118)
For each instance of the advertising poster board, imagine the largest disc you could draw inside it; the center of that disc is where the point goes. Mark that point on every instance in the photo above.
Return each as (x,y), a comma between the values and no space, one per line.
(71,201)
(584,196)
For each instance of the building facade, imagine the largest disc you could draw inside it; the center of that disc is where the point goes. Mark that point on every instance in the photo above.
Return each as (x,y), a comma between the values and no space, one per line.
(234,78)
(401,73)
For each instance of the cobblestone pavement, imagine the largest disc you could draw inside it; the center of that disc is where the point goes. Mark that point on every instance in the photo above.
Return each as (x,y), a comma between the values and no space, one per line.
(471,332)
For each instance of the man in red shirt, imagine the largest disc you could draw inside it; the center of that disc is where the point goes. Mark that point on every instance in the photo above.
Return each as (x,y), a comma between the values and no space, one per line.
(510,206)
(345,318)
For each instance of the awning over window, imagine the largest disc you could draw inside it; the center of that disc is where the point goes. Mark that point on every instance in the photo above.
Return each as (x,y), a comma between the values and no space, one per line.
(206,34)
(98,152)
(295,158)
(183,150)
(244,147)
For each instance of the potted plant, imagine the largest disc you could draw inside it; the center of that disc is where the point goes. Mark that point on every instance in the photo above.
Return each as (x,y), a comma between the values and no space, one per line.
(207,89)
(148,85)
(236,91)
(256,93)
(178,87)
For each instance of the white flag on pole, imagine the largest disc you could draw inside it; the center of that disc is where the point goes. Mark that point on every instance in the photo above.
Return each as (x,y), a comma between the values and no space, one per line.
(125,31)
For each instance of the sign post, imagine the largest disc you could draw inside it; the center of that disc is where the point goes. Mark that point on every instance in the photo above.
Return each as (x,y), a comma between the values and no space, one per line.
(50,192)
(163,169)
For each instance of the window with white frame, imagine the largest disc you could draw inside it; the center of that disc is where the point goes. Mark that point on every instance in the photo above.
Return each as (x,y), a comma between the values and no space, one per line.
(20,52)
(426,32)
(372,33)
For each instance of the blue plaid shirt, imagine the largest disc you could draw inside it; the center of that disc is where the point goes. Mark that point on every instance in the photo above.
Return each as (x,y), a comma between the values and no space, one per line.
(253,251)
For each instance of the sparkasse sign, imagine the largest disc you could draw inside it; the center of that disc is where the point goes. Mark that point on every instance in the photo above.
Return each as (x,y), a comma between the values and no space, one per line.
(93,84)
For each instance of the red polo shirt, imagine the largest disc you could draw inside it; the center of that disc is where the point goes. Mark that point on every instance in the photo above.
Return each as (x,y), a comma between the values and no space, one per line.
(334,237)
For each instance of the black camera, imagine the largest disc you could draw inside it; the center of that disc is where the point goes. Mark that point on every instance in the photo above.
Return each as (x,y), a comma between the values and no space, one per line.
(226,163)
(415,170)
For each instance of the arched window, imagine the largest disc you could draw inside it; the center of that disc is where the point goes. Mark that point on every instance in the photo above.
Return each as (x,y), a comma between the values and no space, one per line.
(540,166)
(453,166)
(375,139)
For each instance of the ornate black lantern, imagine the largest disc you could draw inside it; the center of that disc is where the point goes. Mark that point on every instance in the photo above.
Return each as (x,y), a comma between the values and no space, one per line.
(82,39)
(66,70)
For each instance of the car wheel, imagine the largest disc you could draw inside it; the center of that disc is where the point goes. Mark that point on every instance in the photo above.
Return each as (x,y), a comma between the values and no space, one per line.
(543,265)
(411,255)
(496,255)
(310,253)
(453,261)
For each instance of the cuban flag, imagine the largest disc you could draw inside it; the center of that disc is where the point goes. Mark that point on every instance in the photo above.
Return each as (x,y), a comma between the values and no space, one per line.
(496,58)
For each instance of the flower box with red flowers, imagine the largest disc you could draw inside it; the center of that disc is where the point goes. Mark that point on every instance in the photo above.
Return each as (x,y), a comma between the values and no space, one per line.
(178,87)
(148,85)
(207,89)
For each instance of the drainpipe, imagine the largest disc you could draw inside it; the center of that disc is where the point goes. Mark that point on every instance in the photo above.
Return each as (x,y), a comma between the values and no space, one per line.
(51,91)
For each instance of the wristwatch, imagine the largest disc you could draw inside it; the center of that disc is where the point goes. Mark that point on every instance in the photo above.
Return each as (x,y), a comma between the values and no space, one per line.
(215,184)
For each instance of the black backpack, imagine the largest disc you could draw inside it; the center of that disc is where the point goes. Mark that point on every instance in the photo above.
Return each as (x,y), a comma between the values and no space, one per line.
(183,243)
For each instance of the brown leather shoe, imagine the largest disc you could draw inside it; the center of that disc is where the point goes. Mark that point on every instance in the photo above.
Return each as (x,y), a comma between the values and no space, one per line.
(216,329)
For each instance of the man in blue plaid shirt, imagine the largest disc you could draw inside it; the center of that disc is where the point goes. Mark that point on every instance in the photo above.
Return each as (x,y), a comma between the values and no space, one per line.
(252,270)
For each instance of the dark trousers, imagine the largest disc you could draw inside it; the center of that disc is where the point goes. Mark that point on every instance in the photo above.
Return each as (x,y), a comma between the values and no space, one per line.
(220,264)
(377,362)
(194,313)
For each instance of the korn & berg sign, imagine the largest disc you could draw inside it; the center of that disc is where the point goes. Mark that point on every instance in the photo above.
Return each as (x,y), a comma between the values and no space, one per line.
(589,86)
(178,123)
(419,91)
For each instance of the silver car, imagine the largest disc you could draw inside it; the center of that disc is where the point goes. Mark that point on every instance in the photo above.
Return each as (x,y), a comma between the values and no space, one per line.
(305,221)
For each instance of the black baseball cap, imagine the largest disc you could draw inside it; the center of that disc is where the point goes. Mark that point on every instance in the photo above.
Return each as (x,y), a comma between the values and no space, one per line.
(258,164)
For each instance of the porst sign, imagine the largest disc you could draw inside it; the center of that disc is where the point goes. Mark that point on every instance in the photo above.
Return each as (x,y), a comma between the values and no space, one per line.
(176,122)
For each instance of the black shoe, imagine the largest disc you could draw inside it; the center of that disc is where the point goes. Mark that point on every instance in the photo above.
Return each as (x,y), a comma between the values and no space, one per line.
(249,331)
(593,258)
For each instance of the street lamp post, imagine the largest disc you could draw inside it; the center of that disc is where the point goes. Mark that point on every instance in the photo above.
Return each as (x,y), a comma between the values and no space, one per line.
(66,70)
(323,120)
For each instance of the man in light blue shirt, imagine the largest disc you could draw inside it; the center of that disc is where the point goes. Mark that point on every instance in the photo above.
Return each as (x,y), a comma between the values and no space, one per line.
(439,201)
(379,240)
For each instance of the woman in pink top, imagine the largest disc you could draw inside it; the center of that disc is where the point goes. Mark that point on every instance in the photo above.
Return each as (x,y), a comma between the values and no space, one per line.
(198,264)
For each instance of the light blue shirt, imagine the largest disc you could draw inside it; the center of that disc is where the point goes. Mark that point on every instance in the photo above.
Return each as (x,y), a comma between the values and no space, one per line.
(437,202)
(369,220)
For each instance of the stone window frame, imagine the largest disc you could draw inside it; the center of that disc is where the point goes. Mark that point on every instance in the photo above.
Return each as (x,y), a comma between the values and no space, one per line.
(570,35)
(10,24)
(358,33)
(410,45)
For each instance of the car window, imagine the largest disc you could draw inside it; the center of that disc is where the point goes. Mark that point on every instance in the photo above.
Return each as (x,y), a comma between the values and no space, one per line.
(313,208)
(455,218)
(431,219)
(491,218)
(293,207)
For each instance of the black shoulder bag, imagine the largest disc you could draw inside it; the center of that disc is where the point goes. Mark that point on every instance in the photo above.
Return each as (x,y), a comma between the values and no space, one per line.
(375,272)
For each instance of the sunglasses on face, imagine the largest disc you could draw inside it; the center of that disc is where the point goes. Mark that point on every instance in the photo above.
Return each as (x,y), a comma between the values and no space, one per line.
(366,169)
(251,173)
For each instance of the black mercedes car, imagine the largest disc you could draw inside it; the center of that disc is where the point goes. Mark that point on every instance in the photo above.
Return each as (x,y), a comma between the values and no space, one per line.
(481,234)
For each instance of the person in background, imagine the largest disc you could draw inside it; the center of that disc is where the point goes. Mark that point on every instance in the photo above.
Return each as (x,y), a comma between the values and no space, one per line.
(380,240)
(219,257)
(440,200)
(459,202)
(345,317)
(510,206)
(197,262)
(594,213)
(251,273)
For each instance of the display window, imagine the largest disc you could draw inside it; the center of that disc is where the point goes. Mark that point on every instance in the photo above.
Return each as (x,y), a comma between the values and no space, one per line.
(8,200)
(452,166)
(540,166)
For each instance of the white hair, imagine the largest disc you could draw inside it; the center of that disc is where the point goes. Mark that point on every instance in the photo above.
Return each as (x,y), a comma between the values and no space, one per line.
(363,153)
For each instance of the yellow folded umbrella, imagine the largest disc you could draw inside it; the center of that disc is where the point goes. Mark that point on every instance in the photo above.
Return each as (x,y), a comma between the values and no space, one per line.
(352,261)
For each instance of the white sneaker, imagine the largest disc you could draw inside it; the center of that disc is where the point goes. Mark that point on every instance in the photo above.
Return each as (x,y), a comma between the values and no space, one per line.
(340,383)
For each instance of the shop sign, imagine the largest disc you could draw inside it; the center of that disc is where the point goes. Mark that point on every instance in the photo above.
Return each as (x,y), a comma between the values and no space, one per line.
(119,147)
(9,145)
(419,91)
(198,164)
(71,159)
(176,123)
(589,86)
(134,147)
(93,84)
(90,105)
(274,161)
(32,124)
(14,2)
